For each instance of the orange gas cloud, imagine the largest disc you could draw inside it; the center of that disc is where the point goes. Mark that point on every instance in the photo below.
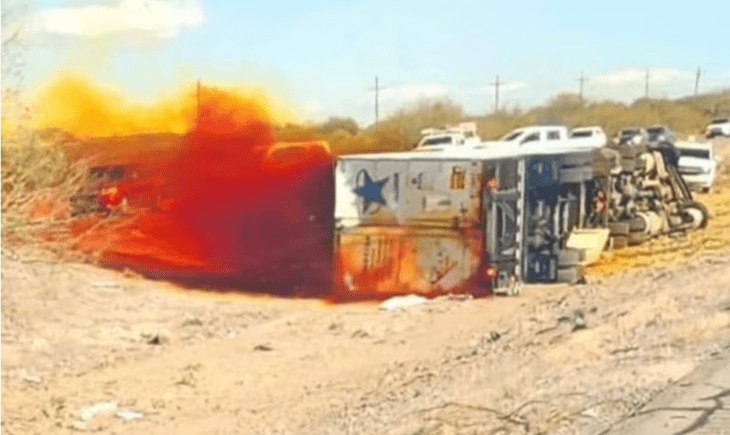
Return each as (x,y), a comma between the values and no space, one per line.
(86,109)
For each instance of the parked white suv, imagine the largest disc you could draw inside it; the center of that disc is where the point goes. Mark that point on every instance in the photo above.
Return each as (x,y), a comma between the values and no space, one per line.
(718,127)
(697,164)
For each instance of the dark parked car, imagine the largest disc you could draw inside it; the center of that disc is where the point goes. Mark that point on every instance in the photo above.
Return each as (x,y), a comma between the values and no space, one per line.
(661,138)
(108,187)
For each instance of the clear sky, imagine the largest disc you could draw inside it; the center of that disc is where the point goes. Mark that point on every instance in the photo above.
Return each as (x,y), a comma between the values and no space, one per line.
(322,56)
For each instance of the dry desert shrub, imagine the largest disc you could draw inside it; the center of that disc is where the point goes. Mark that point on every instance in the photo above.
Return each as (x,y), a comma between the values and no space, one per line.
(400,131)
(37,182)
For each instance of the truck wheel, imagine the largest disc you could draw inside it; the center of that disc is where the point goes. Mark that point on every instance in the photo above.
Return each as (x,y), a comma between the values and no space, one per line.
(697,214)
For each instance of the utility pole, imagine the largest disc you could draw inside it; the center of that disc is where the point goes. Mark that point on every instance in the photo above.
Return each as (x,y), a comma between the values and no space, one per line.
(496,94)
(697,80)
(647,84)
(377,88)
(582,81)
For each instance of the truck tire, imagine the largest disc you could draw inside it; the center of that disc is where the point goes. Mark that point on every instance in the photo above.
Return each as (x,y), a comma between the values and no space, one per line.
(698,206)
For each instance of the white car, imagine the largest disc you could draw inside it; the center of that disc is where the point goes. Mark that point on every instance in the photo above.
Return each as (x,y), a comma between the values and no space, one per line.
(697,164)
(591,137)
(718,127)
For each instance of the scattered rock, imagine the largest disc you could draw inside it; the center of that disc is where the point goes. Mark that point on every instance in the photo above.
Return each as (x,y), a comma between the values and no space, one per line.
(128,415)
(88,413)
(360,334)
(494,336)
(576,319)
(579,321)
(459,297)
(592,412)
(129,273)
(263,347)
(79,425)
(192,321)
(106,284)
(158,339)
(155,335)
(30,378)
(400,302)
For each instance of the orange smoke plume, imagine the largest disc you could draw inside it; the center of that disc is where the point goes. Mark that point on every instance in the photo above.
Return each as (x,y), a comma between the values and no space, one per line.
(223,208)
(86,109)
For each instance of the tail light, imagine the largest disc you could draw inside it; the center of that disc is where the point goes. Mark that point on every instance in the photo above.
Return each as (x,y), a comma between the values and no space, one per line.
(600,201)
(492,184)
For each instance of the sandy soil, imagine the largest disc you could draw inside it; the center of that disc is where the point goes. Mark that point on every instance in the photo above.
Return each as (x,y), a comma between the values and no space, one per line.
(557,359)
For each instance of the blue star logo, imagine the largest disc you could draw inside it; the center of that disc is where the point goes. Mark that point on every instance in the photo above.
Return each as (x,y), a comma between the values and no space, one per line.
(371,191)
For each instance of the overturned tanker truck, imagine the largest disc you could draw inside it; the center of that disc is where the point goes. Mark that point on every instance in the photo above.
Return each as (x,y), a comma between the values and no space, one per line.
(488,219)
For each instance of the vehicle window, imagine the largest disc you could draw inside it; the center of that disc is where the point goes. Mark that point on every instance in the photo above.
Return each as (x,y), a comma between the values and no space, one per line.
(721,120)
(437,141)
(628,134)
(581,133)
(117,173)
(553,135)
(97,174)
(512,136)
(288,154)
(694,152)
(654,133)
(531,138)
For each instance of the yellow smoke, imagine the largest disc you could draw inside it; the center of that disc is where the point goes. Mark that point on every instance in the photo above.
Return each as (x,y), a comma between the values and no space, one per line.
(85,109)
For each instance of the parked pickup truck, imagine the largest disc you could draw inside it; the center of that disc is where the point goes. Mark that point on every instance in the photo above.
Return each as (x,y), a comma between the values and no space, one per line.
(433,139)
(587,136)
(552,137)
(697,164)
(718,127)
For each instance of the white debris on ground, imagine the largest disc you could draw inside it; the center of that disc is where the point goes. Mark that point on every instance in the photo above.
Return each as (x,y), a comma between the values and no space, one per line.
(402,302)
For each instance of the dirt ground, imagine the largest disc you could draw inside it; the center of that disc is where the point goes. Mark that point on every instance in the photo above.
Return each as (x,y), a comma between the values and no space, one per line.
(557,359)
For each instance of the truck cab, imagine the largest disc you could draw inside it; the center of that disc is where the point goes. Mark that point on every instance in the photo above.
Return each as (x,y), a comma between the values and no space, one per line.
(697,164)
(555,135)
(462,135)
(718,127)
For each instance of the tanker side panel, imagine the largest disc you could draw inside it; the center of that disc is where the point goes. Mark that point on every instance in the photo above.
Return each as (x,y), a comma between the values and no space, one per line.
(420,193)
(407,226)
(376,261)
